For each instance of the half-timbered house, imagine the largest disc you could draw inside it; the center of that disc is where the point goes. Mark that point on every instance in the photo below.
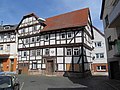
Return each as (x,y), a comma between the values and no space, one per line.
(8,48)
(55,45)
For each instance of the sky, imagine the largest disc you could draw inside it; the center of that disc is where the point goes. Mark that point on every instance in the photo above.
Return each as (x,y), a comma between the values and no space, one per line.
(12,11)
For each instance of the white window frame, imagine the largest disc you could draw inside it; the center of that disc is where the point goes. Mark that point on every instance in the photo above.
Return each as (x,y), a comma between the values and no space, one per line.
(68,51)
(100,68)
(77,50)
(99,55)
(97,44)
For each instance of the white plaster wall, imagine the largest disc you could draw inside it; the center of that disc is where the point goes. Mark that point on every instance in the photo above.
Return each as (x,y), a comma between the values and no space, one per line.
(68,59)
(59,59)
(98,37)
(59,51)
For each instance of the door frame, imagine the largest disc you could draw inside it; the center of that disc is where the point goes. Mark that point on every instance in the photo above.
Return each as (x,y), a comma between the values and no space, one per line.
(53,62)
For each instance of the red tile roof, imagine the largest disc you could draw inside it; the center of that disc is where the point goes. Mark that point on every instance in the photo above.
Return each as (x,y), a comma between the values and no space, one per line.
(76,18)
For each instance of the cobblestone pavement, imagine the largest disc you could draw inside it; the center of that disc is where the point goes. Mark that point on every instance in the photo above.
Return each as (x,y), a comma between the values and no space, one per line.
(64,83)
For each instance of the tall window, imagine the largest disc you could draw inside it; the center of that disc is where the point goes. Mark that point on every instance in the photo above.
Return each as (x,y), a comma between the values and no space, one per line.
(47,52)
(98,44)
(69,35)
(34,65)
(76,51)
(1,47)
(38,52)
(109,45)
(46,37)
(24,54)
(69,51)
(32,53)
(8,47)
(63,35)
(99,55)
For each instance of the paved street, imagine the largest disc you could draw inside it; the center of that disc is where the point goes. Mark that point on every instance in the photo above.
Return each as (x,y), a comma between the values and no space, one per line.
(63,83)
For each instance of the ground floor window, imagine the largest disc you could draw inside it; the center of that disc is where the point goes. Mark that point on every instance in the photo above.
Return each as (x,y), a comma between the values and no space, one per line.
(34,65)
(101,68)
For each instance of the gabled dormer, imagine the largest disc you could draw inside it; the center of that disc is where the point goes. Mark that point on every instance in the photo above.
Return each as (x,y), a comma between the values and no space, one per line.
(30,24)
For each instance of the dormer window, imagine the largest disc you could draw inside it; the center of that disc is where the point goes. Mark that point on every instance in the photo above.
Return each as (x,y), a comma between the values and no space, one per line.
(7,27)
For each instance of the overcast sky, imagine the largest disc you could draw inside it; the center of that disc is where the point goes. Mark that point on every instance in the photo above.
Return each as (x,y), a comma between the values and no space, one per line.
(11,11)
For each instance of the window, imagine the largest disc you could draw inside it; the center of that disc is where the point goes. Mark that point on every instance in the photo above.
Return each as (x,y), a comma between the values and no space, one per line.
(26,40)
(98,44)
(8,36)
(8,47)
(63,35)
(69,35)
(106,21)
(32,53)
(32,40)
(34,65)
(101,68)
(99,55)
(38,38)
(47,52)
(1,47)
(24,53)
(1,36)
(38,52)
(69,51)
(46,37)
(76,51)
(109,45)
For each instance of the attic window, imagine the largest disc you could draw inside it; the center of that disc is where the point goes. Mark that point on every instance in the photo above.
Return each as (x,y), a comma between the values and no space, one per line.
(7,27)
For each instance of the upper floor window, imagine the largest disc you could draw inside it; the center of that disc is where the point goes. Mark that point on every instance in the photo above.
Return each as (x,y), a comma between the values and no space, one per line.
(1,47)
(98,44)
(32,40)
(38,38)
(24,53)
(69,35)
(1,36)
(109,45)
(76,51)
(99,55)
(63,35)
(8,47)
(101,67)
(32,53)
(46,37)
(38,52)
(69,51)
(106,21)
(47,51)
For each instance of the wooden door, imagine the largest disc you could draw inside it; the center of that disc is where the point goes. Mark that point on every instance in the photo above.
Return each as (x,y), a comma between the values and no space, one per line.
(50,67)
(24,68)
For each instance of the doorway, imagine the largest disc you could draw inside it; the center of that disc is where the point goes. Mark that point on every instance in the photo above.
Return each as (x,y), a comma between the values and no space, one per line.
(114,69)
(50,67)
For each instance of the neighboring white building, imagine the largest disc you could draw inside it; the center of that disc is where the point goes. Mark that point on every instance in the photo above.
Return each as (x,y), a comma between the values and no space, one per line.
(56,45)
(99,53)
(8,48)
(110,14)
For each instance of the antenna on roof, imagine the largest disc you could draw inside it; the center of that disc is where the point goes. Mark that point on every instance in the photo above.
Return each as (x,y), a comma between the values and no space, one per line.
(1,23)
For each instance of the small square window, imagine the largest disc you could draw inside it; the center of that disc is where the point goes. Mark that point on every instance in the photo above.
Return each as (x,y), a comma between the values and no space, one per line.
(69,35)
(63,35)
